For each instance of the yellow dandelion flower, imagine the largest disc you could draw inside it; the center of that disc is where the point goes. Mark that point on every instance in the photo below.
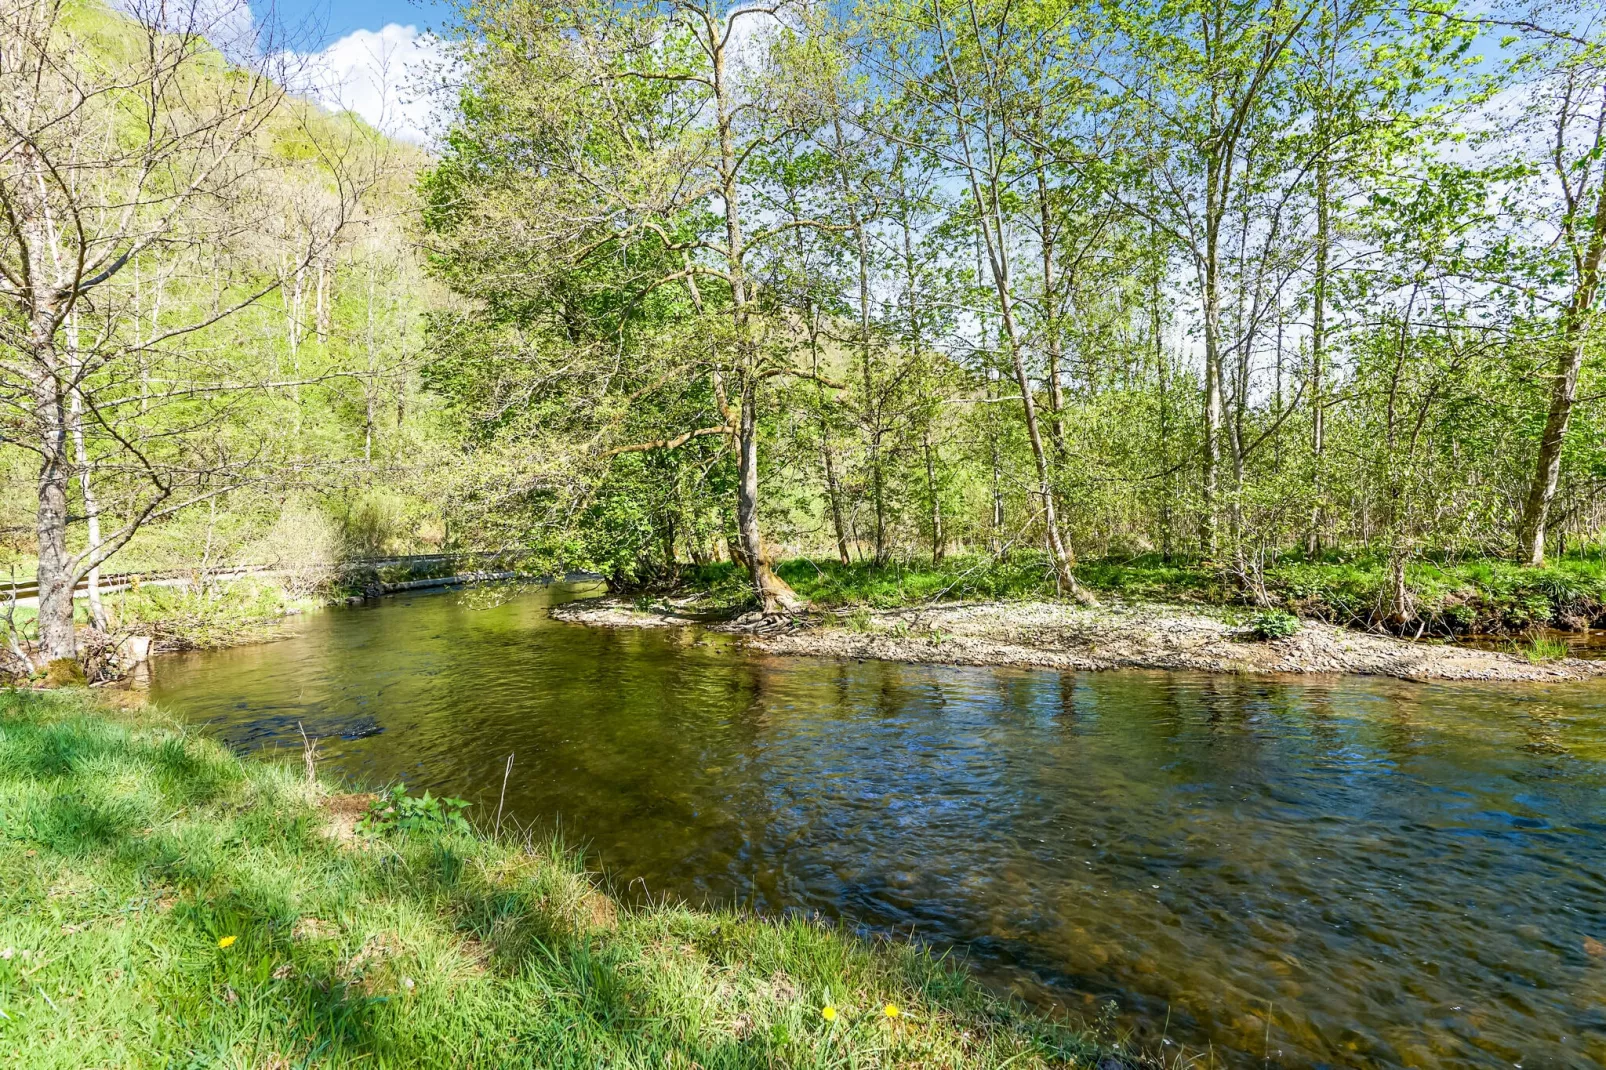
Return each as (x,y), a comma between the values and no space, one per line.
(890,1011)
(828,1012)
(226,941)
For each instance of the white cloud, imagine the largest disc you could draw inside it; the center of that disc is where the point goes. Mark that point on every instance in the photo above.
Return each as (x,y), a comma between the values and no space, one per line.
(384,75)
(389,76)
(228,24)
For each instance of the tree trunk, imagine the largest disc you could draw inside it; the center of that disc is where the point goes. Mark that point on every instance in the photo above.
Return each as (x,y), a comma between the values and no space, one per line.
(1063,562)
(872,406)
(50,419)
(1318,358)
(1162,372)
(997,253)
(995,529)
(833,489)
(1564,391)
(939,542)
(1401,609)
(1051,332)
(56,635)
(1212,333)
(1547,470)
(990,220)
(772,591)
(733,547)
(834,493)
(667,539)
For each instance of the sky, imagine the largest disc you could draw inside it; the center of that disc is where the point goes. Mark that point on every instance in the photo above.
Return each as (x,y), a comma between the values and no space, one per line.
(363,55)
(331,20)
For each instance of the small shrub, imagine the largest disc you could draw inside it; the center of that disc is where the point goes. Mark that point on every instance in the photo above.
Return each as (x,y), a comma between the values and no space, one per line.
(377,524)
(397,811)
(304,545)
(205,615)
(1272,624)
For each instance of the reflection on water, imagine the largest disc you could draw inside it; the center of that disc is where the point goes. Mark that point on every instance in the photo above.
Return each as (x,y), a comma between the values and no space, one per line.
(1335,873)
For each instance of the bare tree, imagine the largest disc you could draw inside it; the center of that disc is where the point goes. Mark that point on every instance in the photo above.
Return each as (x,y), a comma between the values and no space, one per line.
(126,140)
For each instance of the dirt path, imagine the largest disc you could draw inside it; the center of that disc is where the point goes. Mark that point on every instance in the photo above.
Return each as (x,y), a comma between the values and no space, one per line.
(1117,635)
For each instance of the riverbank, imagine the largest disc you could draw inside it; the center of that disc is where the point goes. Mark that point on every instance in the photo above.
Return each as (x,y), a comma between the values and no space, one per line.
(1116,634)
(163,901)
(1447,598)
(231,607)
(202,614)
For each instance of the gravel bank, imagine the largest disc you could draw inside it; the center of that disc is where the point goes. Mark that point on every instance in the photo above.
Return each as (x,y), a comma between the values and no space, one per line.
(1116,635)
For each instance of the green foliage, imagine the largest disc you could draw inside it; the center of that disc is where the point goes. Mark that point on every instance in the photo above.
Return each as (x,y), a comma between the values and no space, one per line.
(1273,624)
(205,615)
(397,811)
(886,424)
(1452,598)
(378,522)
(562,371)
(830,583)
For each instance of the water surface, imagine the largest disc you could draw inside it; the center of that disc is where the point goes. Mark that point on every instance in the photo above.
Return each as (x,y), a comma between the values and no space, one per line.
(1342,872)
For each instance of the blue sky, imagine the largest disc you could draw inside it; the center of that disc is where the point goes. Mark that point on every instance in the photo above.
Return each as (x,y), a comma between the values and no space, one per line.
(329,20)
(373,57)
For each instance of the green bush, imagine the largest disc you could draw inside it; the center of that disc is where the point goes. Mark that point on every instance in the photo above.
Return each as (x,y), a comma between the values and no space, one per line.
(1273,624)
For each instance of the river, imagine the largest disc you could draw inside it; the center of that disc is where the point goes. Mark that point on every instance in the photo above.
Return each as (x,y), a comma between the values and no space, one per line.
(1339,872)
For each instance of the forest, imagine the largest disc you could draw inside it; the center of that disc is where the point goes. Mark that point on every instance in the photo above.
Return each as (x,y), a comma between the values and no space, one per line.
(1231,287)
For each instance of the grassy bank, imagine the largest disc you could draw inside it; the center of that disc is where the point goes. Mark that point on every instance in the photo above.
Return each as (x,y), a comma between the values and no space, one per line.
(1452,597)
(166,903)
(210,612)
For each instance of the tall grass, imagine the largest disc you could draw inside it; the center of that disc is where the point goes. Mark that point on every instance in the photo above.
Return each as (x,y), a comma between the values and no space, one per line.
(1541,648)
(164,903)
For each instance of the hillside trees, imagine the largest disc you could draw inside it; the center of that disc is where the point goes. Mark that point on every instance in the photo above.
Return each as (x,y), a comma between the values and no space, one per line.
(130,149)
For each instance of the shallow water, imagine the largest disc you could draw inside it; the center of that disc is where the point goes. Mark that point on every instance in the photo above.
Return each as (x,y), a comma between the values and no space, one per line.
(1342,872)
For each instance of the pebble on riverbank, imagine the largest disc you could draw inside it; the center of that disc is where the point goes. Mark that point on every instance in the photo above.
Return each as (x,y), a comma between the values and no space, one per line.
(1117,635)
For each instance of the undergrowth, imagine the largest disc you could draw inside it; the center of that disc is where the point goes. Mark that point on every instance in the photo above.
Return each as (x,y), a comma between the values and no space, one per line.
(1449,597)
(203,617)
(166,903)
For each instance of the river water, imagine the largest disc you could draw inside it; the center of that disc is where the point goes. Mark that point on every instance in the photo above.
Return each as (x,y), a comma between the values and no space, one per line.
(1305,873)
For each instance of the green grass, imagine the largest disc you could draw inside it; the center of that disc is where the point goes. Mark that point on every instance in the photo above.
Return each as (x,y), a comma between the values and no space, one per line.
(132,852)
(1543,648)
(1452,596)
